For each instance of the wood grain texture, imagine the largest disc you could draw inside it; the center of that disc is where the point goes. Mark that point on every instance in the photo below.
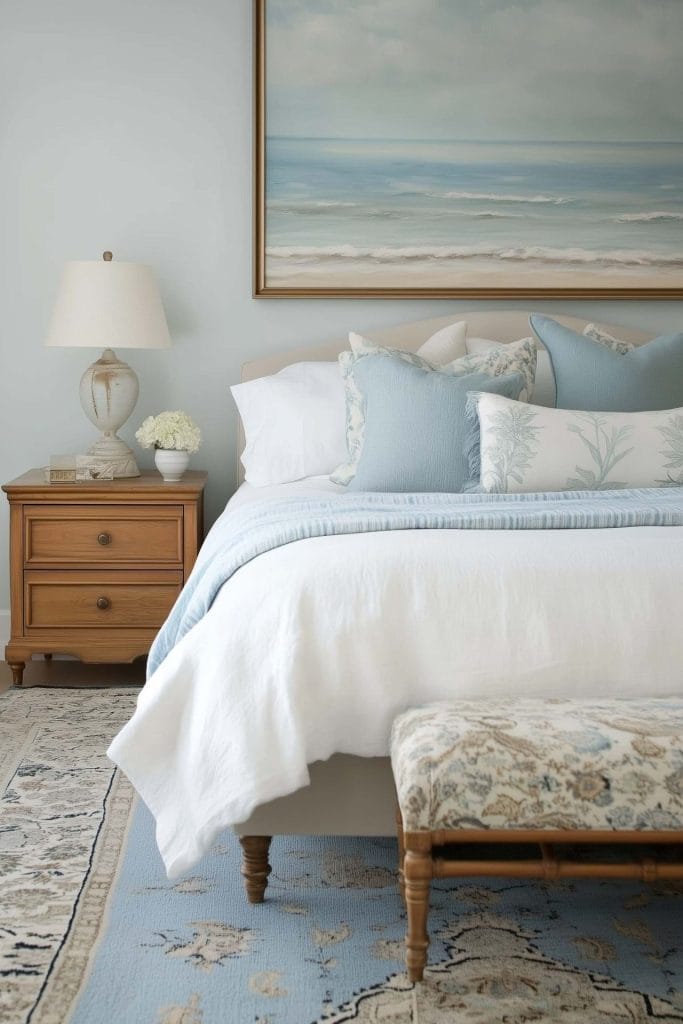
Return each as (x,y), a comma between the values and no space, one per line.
(98,535)
(425,855)
(417,874)
(105,600)
(255,866)
(95,567)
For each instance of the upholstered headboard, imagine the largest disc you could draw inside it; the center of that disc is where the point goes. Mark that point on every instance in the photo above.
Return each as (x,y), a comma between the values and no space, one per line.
(499,325)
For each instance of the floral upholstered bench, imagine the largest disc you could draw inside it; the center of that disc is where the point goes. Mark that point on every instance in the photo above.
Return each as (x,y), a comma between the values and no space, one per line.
(541,773)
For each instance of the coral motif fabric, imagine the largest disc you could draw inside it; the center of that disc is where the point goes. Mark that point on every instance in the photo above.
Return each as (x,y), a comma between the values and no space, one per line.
(527,448)
(530,764)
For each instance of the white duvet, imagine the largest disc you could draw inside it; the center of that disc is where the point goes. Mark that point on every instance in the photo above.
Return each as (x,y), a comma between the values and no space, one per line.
(313,648)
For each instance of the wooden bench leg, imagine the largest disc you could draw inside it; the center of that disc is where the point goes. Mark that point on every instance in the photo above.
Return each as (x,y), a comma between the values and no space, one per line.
(401,855)
(417,870)
(255,866)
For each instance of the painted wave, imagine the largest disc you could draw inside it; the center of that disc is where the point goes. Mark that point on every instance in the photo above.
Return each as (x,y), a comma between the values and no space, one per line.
(491,214)
(518,254)
(308,205)
(502,197)
(648,217)
(320,207)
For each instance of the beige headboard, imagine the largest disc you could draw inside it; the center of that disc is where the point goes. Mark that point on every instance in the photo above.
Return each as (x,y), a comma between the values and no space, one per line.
(499,325)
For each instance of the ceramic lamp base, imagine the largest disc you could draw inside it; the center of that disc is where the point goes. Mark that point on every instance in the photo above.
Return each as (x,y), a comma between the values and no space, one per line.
(110,457)
(171,464)
(109,391)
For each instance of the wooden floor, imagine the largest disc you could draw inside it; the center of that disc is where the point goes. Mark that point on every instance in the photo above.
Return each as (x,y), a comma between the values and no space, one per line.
(63,672)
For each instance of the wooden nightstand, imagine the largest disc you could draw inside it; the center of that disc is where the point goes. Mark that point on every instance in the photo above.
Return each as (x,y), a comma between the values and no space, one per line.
(95,567)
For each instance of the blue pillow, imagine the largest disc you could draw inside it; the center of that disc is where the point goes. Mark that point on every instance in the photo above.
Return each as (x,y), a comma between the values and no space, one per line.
(415,424)
(592,376)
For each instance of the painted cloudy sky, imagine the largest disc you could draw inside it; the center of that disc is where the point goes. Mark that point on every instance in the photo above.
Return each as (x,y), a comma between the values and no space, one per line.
(476,69)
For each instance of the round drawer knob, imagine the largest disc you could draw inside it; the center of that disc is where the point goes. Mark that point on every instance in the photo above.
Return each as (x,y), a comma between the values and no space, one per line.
(104,539)
(103,603)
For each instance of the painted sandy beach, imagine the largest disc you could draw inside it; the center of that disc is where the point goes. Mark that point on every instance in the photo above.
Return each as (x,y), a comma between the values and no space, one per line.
(472,279)
(352,213)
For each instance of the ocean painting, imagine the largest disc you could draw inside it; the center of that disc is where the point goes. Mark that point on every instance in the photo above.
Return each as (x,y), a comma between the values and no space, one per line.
(439,146)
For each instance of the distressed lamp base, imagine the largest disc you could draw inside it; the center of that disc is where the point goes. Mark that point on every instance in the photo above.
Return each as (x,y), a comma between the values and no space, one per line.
(109,390)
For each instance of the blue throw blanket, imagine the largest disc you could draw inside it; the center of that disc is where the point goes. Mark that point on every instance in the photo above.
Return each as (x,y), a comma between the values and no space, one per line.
(239,536)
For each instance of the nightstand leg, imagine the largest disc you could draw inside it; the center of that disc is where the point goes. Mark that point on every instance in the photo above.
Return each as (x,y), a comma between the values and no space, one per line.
(17,671)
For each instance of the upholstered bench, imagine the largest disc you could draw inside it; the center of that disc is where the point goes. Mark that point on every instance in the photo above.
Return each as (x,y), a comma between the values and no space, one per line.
(541,772)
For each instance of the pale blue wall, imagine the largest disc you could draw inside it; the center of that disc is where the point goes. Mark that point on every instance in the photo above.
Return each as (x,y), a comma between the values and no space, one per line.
(127,125)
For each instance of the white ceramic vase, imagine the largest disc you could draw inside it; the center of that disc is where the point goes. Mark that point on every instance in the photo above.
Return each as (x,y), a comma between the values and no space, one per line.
(171,463)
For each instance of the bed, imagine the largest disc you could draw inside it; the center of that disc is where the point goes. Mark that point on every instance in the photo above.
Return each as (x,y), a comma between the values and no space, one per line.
(612,628)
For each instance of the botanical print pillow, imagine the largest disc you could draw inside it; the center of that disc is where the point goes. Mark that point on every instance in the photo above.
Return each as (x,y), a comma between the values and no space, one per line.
(531,448)
(517,357)
(608,340)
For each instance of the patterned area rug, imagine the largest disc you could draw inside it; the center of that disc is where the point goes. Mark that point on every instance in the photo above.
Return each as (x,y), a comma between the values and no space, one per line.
(91,931)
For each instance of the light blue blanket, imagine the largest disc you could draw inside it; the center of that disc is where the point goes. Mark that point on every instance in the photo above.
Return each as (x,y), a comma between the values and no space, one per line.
(239,536)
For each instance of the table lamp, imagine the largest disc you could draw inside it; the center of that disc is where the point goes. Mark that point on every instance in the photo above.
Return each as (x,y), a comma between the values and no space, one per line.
(106,303)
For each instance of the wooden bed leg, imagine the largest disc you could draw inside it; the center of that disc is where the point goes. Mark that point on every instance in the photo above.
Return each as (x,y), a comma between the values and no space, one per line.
(418,877)
(255,866)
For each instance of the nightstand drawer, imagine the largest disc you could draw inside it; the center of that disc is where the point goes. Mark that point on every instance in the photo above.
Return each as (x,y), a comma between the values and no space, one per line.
(102,535)
(105,600)
(96,565)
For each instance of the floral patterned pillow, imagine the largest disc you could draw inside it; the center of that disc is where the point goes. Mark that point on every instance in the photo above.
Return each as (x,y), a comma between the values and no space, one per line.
(532,448)
(517,357)
(608,340)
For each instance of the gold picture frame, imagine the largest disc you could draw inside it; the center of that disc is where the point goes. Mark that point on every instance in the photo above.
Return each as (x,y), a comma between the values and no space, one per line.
(313,270)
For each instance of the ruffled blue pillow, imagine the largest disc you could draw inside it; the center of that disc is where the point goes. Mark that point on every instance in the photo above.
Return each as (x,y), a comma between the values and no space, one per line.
(415,425)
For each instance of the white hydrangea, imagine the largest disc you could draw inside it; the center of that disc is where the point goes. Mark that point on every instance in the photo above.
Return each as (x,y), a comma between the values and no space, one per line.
(171,430)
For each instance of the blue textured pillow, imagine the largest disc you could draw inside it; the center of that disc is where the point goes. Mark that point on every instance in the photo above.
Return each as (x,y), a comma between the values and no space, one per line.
(591,376)
(415,424)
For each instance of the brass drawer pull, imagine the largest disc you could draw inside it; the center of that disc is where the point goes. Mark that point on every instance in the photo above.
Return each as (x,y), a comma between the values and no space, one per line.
(103,603)
(104,539)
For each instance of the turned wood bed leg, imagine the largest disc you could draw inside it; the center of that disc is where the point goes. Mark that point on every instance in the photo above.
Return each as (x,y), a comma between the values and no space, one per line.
(255,866)
(417,868)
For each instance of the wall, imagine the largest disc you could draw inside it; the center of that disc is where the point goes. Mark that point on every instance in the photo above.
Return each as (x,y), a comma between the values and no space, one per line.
(127,126)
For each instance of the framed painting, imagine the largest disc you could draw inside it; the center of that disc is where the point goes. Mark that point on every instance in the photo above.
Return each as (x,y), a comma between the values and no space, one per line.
(479,148)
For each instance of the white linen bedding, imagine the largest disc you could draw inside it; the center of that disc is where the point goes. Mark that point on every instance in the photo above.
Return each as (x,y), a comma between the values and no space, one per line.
(311,485)
(313,648)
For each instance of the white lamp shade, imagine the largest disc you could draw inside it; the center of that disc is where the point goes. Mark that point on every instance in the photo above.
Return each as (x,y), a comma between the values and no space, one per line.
(108,304)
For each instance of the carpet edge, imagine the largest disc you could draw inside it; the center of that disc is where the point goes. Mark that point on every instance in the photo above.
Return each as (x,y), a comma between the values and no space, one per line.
(68,975)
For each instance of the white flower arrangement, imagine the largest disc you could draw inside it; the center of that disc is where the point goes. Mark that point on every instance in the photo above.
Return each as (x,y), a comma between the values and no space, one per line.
(174,431)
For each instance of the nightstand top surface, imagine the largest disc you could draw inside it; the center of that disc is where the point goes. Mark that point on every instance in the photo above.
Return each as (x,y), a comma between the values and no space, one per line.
(149,481)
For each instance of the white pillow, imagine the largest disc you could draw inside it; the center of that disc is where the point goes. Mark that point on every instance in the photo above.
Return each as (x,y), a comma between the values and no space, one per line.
(294,423)
(526,448)
(446,345)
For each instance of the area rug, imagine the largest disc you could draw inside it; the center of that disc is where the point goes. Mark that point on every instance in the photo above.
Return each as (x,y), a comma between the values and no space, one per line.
(92,932)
